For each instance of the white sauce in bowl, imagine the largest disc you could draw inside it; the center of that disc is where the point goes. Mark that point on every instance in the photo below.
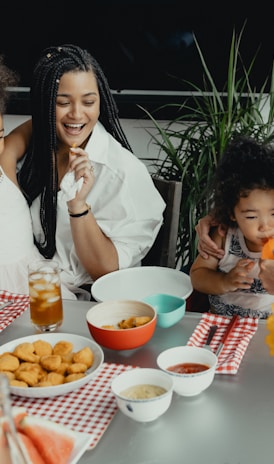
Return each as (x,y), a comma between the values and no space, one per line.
(143,391)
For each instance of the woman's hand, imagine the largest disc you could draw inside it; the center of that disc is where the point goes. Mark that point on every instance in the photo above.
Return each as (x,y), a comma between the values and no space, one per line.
(82,167)
(206,246)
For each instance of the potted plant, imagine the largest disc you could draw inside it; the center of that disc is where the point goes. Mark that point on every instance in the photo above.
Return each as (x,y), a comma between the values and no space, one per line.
(191,145)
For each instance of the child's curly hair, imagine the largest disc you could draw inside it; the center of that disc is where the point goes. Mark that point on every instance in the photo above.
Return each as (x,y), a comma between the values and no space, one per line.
(8,78)
(246,164)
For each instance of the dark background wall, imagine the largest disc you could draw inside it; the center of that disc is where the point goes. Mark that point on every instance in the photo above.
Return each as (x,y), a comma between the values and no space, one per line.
(141,45)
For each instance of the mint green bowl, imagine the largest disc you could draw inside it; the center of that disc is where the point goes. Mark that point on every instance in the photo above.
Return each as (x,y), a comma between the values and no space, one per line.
(170,309)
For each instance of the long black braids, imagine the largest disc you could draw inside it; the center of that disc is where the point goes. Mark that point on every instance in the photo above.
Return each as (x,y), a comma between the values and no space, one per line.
(39,175)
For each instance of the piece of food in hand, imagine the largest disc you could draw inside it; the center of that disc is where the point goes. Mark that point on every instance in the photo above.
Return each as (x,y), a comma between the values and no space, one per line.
(53,441)
(269,339)
(268,249)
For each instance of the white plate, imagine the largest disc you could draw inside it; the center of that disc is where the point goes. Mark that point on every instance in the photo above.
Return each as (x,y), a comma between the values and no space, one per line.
(139,282)
(81,445)
(78,343)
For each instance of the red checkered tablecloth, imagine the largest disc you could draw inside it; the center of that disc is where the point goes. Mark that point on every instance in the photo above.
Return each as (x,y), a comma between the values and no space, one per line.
(230,358)
(8,314)
(88,409)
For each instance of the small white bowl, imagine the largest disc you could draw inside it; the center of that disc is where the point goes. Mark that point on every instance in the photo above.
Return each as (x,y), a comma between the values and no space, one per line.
(145,409)
(189,384)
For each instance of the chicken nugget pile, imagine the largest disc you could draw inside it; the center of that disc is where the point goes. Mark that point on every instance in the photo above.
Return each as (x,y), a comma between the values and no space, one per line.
(130,323)
(39,364)
(269,339)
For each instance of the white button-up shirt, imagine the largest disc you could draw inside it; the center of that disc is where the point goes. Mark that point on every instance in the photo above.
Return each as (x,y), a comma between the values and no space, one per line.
(124,201)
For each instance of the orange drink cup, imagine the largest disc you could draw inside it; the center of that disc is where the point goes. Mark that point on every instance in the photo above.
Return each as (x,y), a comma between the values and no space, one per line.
(46,308)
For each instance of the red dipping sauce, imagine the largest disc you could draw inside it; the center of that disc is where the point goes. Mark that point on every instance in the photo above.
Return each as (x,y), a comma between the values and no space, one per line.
(188,368)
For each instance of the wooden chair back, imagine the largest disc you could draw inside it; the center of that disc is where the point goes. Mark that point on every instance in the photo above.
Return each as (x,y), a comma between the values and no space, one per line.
(163,251)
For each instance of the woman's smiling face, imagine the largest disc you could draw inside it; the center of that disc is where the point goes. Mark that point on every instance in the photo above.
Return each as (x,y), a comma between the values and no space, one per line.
(77,107)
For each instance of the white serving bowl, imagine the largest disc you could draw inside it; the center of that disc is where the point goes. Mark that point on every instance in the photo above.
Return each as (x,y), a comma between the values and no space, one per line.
(143,410)
(189,384)
(137,283)
(52,338)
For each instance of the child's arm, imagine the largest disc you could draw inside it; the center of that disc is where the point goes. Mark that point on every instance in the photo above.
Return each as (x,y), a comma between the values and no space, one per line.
(16,143)
(207,279)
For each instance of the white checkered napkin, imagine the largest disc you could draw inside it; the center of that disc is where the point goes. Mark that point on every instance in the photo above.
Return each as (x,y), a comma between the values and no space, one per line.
(8,314)
(88,409)
(230,358)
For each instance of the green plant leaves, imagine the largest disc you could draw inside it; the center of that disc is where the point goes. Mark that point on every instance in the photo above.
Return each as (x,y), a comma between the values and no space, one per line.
(191,145)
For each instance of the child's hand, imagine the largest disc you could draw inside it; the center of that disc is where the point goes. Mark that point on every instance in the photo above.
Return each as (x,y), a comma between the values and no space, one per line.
(238,276)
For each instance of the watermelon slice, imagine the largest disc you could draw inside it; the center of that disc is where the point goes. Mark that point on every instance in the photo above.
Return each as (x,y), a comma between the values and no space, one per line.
(18,413)
(54,441)
(31,453)
(268,249)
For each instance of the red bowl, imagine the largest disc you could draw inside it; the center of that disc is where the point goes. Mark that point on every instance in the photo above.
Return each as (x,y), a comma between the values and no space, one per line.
(109,313)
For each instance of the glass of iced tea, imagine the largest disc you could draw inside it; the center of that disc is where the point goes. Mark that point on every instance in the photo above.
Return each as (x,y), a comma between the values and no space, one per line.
(46,308)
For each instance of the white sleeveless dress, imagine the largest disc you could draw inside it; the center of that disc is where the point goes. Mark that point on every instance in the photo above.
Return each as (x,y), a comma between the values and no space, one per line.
(17,248)
(252,302)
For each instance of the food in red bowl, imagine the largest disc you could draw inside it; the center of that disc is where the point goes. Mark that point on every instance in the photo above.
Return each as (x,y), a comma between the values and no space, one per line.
(121,324)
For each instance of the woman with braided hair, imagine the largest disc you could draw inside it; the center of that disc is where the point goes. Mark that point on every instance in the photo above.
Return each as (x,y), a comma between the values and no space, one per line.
(93,203)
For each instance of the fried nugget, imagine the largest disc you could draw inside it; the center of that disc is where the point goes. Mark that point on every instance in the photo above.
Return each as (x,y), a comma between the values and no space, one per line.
(109,327)
(62,369)
(84,356)
(127,323)
(67,358)
(135,321)
(25,352)
(75,368)
(9,362)
(52,378)
(73,377)
(141,320)
(30,377)
(32,367)
(62,348)
(18,383)
(51,362)
(8,374)
(42,348)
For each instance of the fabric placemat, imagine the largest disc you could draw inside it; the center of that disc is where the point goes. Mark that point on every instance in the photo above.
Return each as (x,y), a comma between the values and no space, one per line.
(88,409)
(230,358)
(8,314)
